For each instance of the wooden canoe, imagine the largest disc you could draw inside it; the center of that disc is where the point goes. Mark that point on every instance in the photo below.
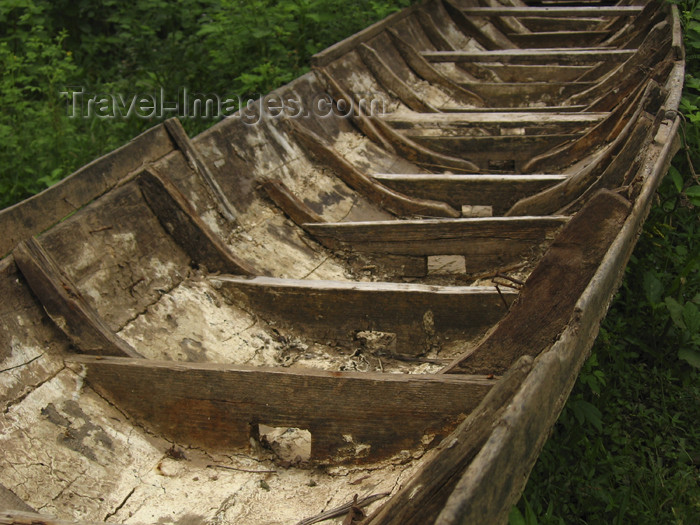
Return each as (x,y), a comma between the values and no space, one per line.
(376,285)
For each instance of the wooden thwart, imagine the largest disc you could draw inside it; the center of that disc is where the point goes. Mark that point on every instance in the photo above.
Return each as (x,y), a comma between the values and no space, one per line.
(499,191)
(219,407)
(485,242)
(532,56)
(337,310)
(553,12)
(65,304)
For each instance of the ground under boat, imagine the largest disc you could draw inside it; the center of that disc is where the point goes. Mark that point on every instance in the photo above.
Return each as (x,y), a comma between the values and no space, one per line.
(370,292)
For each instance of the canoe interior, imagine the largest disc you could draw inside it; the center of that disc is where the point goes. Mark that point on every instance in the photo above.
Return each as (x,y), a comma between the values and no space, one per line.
(381,279)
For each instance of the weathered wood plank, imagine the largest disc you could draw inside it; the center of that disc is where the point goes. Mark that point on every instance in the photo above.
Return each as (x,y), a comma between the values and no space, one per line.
(392,201)
(419,315)
(480,29)
(486,243)
(415,152)
(523,73)
(289,203)
(511,451)
(41,211)
(425,70)
(391,82)
(196,162)
(553,11)
(547,300)
(219,407)
(612,128)
(510,119)
(65,305)
(558,38)
(328,55)
(179,219)
(578,23)
(532,56)
(424,495)
(522,94)
(499,191)
(488,151)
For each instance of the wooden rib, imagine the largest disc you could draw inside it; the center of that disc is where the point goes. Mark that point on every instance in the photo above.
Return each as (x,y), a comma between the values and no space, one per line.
(392,201)
(480,30)
(432,31)
(499,191)
(197,164)
(289,203)
(423,69)
(605,95)
(337,310)
(45,209)
(421,155)
(532,56)
(180,220)
(391,82)
(650,97)
(558,39)
(553,12)
(547,300)
(65,305)
(424,495)
(361,120)
(219,407)
(623,167)
(486,243)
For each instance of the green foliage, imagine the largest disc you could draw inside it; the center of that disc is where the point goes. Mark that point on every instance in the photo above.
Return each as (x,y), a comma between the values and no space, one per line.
(626,448)
(225,47)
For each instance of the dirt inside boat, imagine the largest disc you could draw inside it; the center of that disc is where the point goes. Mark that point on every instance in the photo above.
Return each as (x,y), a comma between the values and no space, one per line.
(379,281)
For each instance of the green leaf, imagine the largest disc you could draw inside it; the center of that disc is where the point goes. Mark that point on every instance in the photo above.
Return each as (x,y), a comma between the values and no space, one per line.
(691,317)
(691,356)
(652,288)
(515,517)
(676,311)
(676,178)
(693,193)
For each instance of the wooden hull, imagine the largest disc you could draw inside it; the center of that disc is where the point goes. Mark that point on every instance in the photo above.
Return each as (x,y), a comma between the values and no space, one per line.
(381,279)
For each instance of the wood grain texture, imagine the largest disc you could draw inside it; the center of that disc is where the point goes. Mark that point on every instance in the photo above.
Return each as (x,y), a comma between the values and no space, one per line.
(352,417)
(289,203)
(391,200)
(532,56)
(391,82)
(547,300)
(41,211)
(178,218)
(493,482)
(65,304)
(422,498)
(498,191)
(486,243)
(553,11)
(196,162)
(419,315)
